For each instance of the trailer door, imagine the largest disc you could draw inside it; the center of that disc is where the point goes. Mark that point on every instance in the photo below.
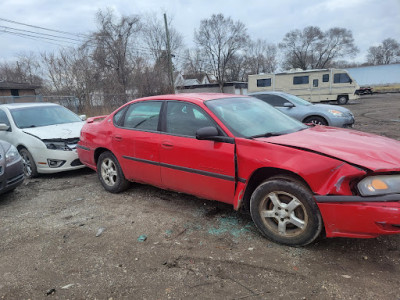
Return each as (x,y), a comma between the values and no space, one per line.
(315,89)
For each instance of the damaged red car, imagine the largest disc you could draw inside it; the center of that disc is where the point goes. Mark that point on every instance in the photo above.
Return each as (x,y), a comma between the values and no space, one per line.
(296,180)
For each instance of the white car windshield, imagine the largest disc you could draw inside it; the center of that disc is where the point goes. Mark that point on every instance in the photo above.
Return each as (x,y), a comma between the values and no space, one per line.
(38,116)
(250,117)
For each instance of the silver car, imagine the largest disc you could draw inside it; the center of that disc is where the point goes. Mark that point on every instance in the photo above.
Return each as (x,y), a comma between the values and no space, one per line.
(11,168)
(306,112)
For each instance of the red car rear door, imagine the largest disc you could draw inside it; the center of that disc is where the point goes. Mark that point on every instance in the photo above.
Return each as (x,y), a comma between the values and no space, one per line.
(200,167)
(136,141)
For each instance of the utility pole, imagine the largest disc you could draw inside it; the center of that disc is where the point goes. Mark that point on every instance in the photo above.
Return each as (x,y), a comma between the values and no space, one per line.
(169,57)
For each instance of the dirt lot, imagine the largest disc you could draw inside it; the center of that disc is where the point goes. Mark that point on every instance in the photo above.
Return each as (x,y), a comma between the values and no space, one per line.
(195,249)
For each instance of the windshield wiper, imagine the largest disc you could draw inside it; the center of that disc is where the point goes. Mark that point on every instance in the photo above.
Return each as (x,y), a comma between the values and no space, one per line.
(268,134)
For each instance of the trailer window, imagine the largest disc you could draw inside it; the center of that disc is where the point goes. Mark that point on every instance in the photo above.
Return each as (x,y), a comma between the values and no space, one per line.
(315,83)
(325,78)
(263,82)
(341,78)
(300,80)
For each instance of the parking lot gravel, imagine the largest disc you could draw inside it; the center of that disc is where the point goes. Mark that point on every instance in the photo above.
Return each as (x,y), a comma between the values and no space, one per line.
(62,236)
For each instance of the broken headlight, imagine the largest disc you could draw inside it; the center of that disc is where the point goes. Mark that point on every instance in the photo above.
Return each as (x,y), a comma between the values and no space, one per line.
(57,145)
(379,185)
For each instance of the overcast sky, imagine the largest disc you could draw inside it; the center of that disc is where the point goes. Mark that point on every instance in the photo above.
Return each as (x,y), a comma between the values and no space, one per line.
(371,21)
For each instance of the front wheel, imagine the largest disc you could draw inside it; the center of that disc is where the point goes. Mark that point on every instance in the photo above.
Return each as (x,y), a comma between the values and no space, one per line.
(285,212)
(110,173)
(30,169)
(316,120)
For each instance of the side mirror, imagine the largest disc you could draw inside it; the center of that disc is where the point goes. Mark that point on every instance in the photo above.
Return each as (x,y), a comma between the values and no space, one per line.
(288,104)
(351,81)
(211,133)
(4,127)
(83,117)
(206,133)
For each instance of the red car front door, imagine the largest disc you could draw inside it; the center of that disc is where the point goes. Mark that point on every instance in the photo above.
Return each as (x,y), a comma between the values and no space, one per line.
(199,167)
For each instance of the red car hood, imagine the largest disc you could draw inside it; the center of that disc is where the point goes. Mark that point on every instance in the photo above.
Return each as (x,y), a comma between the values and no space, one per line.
(371,151)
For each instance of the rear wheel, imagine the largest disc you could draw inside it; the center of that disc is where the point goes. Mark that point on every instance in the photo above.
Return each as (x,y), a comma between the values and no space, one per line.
(30,169)
(110,173)
(342,100)
(285,212)
(316,120)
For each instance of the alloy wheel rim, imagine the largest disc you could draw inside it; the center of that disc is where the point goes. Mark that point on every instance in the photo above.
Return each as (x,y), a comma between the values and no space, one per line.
(283,214)
(109,172)
(26,164)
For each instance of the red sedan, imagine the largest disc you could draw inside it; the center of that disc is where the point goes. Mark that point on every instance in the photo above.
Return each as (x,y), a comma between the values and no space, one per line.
(295,180)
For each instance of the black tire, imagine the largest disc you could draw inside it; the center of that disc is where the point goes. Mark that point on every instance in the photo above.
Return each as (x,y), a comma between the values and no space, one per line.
(30,169)
(342,100)
(110,173)
(316,120)
(285,212)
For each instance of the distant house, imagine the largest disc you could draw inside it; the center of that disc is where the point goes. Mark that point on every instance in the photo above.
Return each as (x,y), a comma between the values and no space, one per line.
(201,78)
(182,81)
(16,92)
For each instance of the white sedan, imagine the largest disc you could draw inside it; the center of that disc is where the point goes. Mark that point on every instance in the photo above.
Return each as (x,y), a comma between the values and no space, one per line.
(45,135)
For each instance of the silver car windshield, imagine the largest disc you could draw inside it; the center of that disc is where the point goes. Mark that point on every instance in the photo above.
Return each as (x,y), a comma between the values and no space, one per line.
(38,116)
(250,117)
(296,100)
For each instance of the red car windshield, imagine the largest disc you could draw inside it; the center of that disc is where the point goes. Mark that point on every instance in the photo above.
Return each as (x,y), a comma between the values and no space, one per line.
(250,117)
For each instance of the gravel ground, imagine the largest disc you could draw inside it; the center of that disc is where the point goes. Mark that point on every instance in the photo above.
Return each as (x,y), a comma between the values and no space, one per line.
(64,237)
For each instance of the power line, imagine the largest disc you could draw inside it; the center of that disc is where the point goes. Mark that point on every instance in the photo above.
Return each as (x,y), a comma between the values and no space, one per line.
(37,37)
(43,28)
(39,33)
(45,37)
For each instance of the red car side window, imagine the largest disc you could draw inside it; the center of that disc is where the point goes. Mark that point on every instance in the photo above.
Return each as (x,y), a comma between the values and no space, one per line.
(143,115)
(184,118)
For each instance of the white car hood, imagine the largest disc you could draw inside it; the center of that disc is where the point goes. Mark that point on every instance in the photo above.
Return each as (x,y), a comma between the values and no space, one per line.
(58,131)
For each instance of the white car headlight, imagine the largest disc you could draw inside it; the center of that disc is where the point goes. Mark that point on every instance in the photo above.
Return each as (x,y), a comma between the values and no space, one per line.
(12,155)
(379,185)
(335,112)
(57,145)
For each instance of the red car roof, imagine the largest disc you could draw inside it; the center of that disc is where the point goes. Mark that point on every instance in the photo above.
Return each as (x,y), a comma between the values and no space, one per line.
(192,97)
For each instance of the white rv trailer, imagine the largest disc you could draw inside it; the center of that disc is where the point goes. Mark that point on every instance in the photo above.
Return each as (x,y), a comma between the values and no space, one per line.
(312,85)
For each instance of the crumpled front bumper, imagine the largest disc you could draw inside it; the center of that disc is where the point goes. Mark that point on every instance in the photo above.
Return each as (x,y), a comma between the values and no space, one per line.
(360,217)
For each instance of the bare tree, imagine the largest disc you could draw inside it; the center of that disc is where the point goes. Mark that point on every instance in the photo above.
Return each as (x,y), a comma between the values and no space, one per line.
(26,69)
(386,53)
(313,49)
(154,36)
(236,68)
(71,73)
(193,62)
(114,52)
(220,38)
(261,57)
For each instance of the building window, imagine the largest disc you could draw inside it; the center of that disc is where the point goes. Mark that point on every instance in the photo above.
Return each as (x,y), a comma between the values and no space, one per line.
(15,93)
(325,78)
(263,82)
(300,80)
(341,78)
